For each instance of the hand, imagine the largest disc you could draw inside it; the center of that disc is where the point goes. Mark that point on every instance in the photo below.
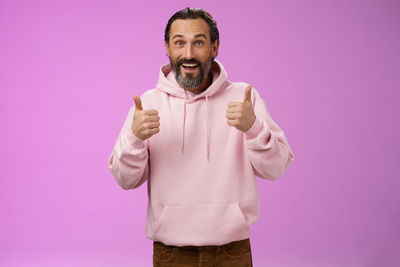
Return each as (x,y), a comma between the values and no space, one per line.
(241,114)
(146,123)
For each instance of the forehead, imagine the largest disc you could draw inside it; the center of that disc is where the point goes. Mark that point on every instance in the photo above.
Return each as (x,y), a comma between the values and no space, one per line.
(189,28)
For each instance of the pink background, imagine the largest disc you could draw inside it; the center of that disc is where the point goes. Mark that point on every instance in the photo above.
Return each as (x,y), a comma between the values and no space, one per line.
(329,74)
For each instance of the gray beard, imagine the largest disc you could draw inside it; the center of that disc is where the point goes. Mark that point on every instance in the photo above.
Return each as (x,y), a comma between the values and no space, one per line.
(191,82)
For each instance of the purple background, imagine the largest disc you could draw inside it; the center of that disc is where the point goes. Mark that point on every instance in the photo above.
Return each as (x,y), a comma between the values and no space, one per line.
(329,74)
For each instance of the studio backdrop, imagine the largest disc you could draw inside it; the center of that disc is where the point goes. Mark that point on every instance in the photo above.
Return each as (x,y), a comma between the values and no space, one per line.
(327,70)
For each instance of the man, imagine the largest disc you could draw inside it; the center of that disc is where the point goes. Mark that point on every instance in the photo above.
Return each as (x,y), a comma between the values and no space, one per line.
(198,140)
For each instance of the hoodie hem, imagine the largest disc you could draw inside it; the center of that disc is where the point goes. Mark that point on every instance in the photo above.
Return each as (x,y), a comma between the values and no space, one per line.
(179,225)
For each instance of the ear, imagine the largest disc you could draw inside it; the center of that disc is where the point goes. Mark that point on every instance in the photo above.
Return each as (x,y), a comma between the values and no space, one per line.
(215,47)
(166,48)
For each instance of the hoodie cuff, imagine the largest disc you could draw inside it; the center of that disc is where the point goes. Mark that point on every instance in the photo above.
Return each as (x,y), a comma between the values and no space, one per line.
(254,130)
(134,141)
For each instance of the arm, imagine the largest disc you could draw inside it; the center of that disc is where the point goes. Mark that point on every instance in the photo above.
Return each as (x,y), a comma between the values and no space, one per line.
(267,147)
(128,161)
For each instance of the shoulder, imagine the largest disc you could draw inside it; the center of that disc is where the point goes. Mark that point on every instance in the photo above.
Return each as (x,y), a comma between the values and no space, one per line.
(150,94)
(151,98)
(238,88)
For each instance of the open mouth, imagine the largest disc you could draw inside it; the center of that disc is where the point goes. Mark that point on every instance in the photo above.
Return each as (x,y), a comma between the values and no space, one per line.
(189,66)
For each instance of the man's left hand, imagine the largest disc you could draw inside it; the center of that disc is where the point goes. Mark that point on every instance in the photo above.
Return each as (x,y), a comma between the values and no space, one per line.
(241,114)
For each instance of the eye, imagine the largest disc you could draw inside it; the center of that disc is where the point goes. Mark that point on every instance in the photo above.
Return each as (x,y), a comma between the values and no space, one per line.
(179,43)
(199,43)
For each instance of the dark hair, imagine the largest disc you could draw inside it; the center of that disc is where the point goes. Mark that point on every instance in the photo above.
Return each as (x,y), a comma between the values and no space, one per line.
(194,13)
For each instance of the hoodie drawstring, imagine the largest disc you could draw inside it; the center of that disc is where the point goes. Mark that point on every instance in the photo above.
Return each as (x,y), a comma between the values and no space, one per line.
(207,128)
(207,137)
(183,122)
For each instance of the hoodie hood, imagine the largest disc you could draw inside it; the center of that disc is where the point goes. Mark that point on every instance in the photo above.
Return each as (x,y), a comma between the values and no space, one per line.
(172,87)
(168,84)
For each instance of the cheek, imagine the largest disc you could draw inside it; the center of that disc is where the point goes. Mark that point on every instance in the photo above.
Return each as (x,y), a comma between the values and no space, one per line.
(174,58)
(204,55)
(178,56)
(174,53)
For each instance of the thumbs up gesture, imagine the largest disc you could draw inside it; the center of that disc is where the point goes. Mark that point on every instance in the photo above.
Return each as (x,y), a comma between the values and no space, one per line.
(241,114)
(146,123)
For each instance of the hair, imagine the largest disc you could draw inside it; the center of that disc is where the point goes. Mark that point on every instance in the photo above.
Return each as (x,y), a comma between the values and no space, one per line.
(194,13)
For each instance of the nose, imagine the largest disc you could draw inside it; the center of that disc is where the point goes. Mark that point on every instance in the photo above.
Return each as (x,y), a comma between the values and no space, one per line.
(188,52)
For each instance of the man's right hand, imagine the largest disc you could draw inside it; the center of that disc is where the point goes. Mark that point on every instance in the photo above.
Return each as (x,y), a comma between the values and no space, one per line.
(146,123)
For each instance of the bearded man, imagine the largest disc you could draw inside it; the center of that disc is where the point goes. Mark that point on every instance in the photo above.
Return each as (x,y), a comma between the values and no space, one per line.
(198,140)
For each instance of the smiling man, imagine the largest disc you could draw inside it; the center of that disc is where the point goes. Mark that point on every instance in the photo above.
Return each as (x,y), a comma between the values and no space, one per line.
(191,63)
(198,140)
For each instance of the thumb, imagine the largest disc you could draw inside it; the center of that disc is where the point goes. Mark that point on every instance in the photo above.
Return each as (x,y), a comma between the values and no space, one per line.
(138,102)
(247,94)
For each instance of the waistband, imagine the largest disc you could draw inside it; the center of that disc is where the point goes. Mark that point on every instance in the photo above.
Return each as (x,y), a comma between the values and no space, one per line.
(244,242)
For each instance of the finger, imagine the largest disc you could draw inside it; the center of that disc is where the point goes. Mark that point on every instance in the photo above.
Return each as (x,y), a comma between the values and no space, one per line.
(153,131)
(234,109)
(150,112)
(234,104)
(247,94)
(152,125)
(151,118)
(233,116)
(233,123)
(138,102)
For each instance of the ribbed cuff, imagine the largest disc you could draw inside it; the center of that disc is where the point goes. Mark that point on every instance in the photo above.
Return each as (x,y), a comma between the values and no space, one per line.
(255,129)
(133,140)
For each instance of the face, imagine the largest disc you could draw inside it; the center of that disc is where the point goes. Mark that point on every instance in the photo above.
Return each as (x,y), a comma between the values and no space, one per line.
(190,51)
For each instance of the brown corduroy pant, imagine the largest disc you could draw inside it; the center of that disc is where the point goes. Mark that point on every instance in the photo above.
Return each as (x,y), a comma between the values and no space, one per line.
(234,254)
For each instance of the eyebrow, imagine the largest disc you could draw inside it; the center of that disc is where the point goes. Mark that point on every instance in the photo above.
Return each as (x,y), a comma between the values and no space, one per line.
(196,36)
(201,35)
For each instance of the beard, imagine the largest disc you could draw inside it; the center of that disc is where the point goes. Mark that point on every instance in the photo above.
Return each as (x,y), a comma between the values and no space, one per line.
(191,81)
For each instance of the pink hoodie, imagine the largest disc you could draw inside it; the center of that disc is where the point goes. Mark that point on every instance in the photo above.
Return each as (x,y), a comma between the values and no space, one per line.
(200,171)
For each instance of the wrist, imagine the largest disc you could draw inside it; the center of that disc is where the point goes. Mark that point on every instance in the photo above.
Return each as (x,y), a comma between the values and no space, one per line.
(255,129)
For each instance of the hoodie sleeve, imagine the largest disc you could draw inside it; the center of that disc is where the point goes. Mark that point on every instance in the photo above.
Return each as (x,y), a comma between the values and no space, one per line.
(268,149)
(128,161)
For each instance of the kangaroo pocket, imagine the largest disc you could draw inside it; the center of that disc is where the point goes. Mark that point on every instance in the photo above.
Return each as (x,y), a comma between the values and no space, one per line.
(202,224)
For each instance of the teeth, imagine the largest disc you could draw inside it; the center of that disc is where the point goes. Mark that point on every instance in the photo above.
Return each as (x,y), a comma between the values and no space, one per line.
(189,65)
